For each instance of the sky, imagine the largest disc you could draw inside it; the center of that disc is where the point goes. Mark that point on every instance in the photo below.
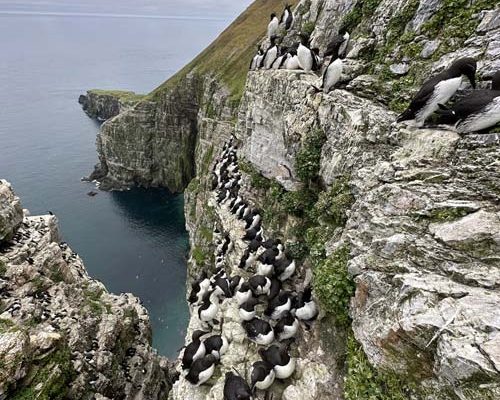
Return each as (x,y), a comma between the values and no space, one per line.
(200,8)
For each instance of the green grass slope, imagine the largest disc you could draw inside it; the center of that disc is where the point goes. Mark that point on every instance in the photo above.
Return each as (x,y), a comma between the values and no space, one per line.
(228,57)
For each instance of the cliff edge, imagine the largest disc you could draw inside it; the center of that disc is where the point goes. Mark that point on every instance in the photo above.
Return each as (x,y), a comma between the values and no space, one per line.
(62,335)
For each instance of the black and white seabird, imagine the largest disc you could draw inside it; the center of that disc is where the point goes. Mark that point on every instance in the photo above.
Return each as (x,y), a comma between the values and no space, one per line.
(305,54)
(262,375)
(438,90)
(272,28)
(202,370)
(287,17)
(243,294)
(332,75)
(216,345)
(337,46)
(279,305)
(198,289)
(478,111)
(292,61)
(256,60)
(278,357)
(259,331)
(260,285)
(284,268)
(236,388)
(209,307)
(270,55)
(247,310)
(194,350)
(287,327)
(221,286)
(305,307)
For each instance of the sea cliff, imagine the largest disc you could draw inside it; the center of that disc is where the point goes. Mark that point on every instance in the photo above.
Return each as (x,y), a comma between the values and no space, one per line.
(396,228)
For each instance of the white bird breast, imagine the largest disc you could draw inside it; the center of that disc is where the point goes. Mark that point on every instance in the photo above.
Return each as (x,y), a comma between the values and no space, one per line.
(442,93)
(285,371)
(305,58)
(205,375)
(267,382)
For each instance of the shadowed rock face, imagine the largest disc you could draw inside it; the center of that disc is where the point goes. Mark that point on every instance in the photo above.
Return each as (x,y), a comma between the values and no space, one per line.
(152,144)
(62,335)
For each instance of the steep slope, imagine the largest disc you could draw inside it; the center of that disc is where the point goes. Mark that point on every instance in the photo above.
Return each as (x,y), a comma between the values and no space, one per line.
(62,335)
(396,227)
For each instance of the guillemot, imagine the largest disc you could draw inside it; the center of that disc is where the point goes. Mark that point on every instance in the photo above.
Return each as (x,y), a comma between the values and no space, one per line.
(438,90)
(478,111)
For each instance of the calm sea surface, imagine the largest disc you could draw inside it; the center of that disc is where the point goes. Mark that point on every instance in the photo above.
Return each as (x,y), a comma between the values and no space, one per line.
(50,53)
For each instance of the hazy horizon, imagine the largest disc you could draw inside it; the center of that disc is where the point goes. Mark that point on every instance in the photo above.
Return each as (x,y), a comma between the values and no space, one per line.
(219,9)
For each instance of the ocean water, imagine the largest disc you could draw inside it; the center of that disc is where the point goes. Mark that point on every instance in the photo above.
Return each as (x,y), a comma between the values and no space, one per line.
(51,51)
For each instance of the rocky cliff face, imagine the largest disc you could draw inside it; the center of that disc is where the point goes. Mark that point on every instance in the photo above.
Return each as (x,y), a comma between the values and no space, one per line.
(408,217)
(105,104)
(396,228)
(62,335)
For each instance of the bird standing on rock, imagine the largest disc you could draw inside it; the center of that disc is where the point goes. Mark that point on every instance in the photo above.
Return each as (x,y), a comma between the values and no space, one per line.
(262,375)
(236,388)
(305,54)
(202,370)
(438,90)
(287,17)
(194,350)
(270,55)
(272,28)
(478,111)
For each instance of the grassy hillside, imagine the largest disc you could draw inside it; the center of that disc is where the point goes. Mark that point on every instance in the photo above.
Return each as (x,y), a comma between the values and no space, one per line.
(228,57)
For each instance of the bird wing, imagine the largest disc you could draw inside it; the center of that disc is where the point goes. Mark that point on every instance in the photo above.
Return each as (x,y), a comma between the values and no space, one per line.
(425,92)
(474,103)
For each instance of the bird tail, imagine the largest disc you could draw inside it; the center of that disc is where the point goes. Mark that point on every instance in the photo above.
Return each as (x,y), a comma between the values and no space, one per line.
(406,115)
(446,115)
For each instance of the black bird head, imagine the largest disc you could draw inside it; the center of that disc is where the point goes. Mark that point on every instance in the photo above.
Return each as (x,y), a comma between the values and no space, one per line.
(304,39)
(197,335)
(465,66)
(273,15)
(495,84)
(273,40)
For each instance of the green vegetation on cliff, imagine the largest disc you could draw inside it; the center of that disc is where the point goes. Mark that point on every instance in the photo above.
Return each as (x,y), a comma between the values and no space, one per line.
(123,95)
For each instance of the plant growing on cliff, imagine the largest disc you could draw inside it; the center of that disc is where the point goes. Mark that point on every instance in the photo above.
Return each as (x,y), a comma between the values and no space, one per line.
(308,159)
(362,8)
(333,285)
(50,377)
(363,381)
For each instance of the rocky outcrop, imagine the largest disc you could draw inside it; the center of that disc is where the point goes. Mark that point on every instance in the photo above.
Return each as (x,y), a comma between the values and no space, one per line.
(152,144)
(105,104)
(11,213)
(62,335)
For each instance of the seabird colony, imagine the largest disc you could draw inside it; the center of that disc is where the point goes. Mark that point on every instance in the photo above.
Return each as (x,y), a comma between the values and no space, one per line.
(272,302)
(478,111)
